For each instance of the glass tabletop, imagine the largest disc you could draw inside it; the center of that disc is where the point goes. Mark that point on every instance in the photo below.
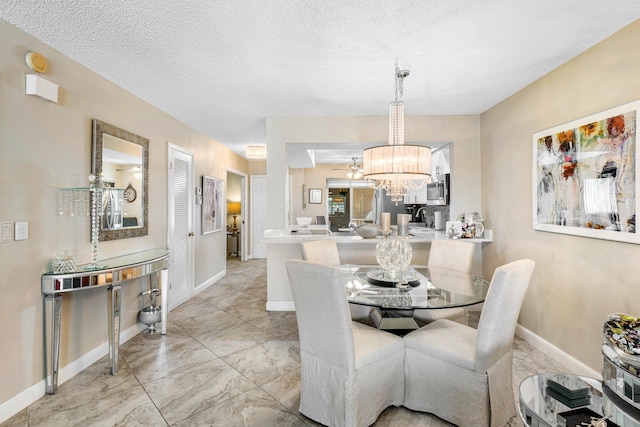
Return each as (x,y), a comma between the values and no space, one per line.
(121,261)
(426,288)
(111,270)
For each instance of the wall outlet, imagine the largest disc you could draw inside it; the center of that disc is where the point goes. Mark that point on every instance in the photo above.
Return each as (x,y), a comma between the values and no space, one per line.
(6,231)
(21,231)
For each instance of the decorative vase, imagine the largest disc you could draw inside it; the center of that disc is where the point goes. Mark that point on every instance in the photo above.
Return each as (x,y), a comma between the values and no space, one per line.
(394,256)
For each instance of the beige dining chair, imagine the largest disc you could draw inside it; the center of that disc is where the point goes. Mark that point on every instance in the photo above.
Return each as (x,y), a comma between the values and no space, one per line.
(350,372)
(464,375)
(454,255)
(325,251)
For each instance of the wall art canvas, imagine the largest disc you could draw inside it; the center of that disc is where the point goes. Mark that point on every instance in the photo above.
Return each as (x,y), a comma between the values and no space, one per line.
(212,204)
(585,176)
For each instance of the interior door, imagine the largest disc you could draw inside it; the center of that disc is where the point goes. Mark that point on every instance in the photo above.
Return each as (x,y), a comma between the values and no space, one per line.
(180,225)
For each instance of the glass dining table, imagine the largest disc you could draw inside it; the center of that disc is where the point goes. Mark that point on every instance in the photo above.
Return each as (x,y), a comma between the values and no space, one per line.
(422,288)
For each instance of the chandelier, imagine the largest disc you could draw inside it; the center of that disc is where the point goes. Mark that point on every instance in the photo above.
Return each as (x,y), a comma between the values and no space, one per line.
(397,167)
(256,152)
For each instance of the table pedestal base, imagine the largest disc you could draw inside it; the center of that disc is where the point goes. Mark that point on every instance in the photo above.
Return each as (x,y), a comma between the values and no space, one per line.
(392,323)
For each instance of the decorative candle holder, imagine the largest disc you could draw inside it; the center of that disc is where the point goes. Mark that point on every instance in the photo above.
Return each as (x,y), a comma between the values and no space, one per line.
(403,224)
(385,223)
(63,263)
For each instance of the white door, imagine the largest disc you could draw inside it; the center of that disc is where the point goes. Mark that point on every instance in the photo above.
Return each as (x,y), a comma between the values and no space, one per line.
(258,215)
(180,224)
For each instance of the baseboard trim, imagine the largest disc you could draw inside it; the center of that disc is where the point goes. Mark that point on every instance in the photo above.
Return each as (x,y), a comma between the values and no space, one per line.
(207,283)
(557,354)
(20,401)
(281,306)
(17,403)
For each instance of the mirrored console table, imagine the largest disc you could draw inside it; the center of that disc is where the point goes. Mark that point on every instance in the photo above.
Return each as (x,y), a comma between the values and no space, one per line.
(113,272)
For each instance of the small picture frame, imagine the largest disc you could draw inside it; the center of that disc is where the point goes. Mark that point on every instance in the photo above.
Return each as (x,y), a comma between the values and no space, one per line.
(315,195)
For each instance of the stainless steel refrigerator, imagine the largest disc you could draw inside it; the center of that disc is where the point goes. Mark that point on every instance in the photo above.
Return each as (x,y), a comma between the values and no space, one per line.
(382,203)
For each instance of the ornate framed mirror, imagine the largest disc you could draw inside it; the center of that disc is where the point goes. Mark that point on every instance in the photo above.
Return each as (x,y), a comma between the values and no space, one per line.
(121,158)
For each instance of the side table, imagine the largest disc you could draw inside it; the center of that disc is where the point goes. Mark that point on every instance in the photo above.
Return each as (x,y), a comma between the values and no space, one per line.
(537,408)
(233,243)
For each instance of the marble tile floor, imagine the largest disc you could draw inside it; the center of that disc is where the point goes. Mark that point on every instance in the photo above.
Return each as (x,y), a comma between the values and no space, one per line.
(225,361)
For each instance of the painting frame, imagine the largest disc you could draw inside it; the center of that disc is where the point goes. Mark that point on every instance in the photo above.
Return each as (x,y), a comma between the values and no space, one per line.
(212,204)
(315,196)
(585,176)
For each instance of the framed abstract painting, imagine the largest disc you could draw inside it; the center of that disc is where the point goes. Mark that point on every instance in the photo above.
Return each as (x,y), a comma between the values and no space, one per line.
(585,179)
(212,204)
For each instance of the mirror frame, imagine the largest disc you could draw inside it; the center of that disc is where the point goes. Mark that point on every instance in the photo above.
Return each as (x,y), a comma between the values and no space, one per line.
(99,129)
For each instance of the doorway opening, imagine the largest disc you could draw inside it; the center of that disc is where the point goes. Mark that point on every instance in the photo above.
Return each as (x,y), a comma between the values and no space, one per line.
(236,241)
(338,206)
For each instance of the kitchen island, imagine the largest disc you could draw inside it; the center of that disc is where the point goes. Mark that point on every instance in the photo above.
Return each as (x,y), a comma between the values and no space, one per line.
(282,245)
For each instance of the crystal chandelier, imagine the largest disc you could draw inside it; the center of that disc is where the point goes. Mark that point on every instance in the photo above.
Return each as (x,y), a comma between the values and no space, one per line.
(256,152)
(397,167)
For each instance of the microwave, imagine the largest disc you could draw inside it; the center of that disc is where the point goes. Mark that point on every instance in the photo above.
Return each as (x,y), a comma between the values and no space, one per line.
(438,191)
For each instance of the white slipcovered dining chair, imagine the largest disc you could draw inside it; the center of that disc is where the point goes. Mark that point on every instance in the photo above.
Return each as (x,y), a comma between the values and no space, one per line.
(454,255)
(320,251)
(350,372)
(325,251)
(464,375)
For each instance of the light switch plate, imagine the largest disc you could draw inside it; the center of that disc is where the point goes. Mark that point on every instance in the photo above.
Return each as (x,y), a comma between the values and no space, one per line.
(21,231)
(6,231)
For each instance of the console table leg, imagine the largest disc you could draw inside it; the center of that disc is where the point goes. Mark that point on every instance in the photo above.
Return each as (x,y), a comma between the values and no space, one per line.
(52,314)
(114,327)
(164,299)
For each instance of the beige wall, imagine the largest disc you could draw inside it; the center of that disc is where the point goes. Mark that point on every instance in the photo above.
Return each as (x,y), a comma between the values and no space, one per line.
(44,146)
(578,281)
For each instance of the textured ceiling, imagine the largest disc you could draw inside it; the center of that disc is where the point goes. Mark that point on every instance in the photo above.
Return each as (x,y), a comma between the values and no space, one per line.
(223,66)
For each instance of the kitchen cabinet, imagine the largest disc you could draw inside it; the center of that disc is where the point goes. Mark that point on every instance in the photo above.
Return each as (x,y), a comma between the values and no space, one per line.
(439,166)
(416,196)
(440,163)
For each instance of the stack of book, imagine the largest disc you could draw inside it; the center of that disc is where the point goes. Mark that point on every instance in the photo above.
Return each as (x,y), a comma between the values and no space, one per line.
(570,391)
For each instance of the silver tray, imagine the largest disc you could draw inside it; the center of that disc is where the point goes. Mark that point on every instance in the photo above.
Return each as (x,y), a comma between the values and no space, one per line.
(410,276)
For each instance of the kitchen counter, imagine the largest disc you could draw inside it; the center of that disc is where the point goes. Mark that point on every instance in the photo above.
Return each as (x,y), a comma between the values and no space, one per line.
(416,235)
(283,245)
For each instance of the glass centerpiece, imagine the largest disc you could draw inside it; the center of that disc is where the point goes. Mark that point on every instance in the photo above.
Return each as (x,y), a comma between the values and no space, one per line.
(394,253)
